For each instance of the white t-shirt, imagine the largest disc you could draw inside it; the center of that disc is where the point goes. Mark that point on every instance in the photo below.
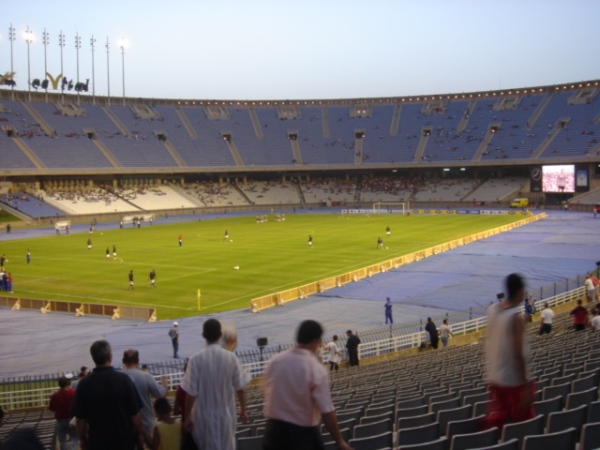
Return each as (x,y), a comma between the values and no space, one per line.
(333,352)
(548,316)
(589,284)
(596,323)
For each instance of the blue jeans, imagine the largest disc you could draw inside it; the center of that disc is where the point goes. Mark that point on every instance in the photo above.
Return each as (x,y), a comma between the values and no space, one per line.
(175,347)
(62,430)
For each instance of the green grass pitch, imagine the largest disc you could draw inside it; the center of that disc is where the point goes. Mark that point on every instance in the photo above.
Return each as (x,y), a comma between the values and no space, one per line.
(271,256)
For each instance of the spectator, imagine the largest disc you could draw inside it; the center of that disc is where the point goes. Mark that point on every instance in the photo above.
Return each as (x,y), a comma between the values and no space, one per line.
(334,354)
(146,386)
(547,317)
(174,335)
(580,316)
(596,320)
(179,410)
(212,377)
(590,289)
(297,397)
(352,344)
(528,310)
(510,390)
(167,432)
(107,406)
(388,312)
(60,404)
(1,416)
(445,333)
(83,372)
(433,333)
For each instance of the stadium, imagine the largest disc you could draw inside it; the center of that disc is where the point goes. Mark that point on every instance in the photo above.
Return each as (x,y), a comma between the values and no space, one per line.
(162,180)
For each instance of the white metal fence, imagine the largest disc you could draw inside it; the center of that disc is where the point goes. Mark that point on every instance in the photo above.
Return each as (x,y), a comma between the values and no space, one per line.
(19,399)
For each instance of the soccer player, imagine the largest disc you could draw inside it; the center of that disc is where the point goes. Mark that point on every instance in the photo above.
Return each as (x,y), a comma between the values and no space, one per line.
(107,253)
(152,277)
(130,280)
(379,242)
(310,240)
(28,256)
(180,239)
(388,231)
(114,251)
(89,244)
(226,238)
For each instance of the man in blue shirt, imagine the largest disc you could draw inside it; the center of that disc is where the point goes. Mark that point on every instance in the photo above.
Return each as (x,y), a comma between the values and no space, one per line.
(388,312)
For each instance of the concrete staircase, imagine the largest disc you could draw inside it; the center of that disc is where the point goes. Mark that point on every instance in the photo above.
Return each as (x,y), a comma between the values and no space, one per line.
(486,142)
(558,127)
(124,131)
(25,149)
(296,152)
(465,118)
(256,124)
(538,111)
(47,129)
(186,123)
(395,120)
(174,154)
(106,152)
(422,144)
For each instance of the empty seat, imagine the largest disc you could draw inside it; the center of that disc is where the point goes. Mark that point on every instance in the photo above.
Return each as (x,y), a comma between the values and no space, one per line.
(594,412)
(475,440)
(446,415)
(525,428)
(466,426)
(438,444)
(411,412)
(546,407)
(419,435)
(513,444)
(380,441)
(562,380)
(416,421)
(562,440)
(372,419)
(371,429)
(577,399)
(411,403)
(250,443)
(480,408)
(572,418)
(475,398)
(446,404)
(561,390)
(590,436)
(583,384)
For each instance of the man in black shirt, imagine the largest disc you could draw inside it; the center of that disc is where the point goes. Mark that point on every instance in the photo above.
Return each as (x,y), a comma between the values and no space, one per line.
(107,406)
(352,347)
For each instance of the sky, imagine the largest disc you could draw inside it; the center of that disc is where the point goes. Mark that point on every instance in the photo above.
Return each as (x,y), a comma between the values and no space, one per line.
(304,49)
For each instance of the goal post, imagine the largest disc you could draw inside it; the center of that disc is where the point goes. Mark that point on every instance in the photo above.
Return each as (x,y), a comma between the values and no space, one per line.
(390,207)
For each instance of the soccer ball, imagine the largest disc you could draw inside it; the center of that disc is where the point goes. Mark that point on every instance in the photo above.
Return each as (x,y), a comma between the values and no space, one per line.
(230,240)
(101,234)
(236,267)
(387,248)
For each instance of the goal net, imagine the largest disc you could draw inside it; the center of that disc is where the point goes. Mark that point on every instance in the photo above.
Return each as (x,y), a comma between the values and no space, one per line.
(390,207)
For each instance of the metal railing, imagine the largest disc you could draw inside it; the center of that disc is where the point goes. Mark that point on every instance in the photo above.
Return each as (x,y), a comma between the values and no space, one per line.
(173,371)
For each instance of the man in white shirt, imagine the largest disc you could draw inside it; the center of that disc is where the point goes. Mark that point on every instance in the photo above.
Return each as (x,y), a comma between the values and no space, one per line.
(547,318)
(334,354)
(596,321)
(590,289)
(212,378)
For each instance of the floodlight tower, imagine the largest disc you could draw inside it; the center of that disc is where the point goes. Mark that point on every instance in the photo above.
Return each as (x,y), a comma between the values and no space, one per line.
(45,41)
(107,70)
(77,47)
(92,43)
(61,44)
(11,38)
(28,35)
(122,44)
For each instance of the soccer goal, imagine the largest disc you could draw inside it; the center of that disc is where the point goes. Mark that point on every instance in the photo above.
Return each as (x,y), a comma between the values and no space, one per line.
(390,207)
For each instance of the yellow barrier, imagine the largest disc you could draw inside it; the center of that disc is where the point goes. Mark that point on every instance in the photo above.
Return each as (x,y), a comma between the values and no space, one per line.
(80,309)
(279,298)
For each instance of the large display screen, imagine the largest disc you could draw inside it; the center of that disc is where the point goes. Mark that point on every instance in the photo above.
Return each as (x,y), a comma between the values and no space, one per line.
(558,179)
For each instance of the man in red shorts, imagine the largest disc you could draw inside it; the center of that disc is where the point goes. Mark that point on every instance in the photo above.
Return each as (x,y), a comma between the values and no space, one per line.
(511,392)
